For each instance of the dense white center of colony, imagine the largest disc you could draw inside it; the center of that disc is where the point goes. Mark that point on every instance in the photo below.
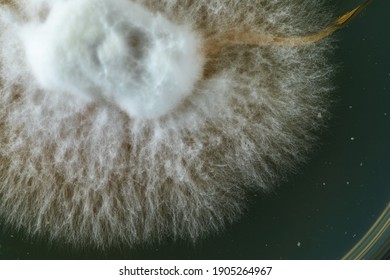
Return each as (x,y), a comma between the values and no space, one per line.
(115,51)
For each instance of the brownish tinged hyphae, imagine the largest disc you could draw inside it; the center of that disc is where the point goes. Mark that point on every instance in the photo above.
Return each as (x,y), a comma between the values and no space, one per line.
(237,37)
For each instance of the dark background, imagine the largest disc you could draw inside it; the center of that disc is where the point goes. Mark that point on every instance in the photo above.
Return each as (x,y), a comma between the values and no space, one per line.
(323,211)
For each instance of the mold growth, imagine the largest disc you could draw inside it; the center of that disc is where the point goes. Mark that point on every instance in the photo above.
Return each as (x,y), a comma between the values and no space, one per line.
(120,124)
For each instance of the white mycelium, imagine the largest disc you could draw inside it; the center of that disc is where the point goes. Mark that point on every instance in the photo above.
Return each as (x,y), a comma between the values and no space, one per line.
(117,52)
(115,127)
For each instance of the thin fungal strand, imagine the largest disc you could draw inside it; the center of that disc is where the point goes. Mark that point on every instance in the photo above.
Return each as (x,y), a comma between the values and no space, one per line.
(238,37)
(344,19)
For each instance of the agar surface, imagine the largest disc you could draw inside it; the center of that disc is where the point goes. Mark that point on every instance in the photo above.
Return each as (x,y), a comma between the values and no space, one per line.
(116,128)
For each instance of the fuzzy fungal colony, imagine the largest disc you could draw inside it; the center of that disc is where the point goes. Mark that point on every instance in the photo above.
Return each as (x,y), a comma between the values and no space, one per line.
(125,122)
